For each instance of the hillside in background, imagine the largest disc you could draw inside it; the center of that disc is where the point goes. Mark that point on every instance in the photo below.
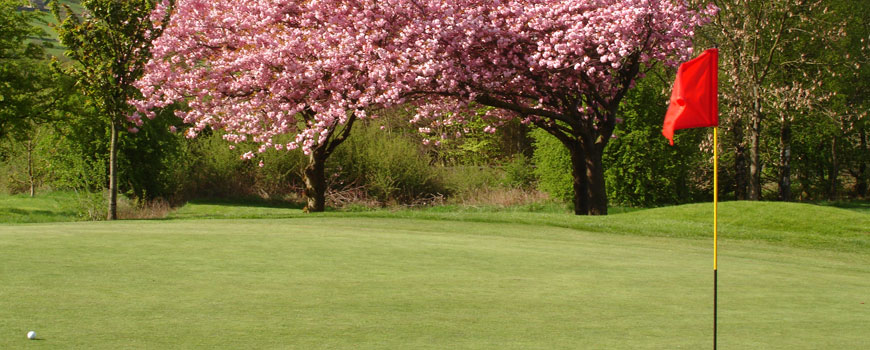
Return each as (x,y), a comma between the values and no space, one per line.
(48,24)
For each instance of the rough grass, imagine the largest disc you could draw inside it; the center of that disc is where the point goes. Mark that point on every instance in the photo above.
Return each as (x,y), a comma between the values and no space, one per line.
(54,206)
(787,224)
(335,281)
(59,206)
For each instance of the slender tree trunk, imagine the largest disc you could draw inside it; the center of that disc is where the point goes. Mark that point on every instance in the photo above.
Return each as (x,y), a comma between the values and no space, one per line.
(833,182)
(315,181)
(30,168)
(785,159)
(113,173)
(755,153)
(578,172)
(861,179)
(740,174)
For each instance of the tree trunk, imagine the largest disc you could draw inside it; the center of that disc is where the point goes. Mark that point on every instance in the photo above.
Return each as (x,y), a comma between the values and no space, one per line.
(833,182)
(113,173)
(740,175)
(30,168)
(785,159)
(755,153)
(861,178)
(578,172)
(315,181)
(595,178)
(314,174)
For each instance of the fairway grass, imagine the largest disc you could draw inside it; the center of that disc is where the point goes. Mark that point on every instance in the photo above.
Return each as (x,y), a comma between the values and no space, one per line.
(328,282)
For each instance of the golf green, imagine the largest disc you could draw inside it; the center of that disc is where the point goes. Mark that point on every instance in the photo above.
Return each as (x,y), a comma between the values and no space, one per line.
(399,283)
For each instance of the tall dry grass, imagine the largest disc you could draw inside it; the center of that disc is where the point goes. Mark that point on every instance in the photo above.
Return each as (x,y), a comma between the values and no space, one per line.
(154,209)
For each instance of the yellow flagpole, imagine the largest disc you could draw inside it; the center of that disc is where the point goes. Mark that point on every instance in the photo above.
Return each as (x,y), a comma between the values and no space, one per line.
(715,231)
(715,196)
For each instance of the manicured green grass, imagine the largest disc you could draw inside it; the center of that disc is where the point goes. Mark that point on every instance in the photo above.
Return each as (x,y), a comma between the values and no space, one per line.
(337,280)
(45,207)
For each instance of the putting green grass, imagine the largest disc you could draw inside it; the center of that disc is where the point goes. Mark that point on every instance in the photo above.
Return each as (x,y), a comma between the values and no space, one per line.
(346,282)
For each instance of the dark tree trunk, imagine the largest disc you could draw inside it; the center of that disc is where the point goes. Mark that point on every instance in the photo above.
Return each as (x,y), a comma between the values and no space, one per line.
(597,188)
(834,170)
(314,174)
(861,177)
(755,153)
(578,172)
(113,173)
(315,181)
(785,160)
(595,179)
(740,174)
(30,168)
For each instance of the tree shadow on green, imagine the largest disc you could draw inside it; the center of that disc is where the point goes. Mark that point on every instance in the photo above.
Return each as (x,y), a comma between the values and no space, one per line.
(861,206)
(17,215)
(236,208)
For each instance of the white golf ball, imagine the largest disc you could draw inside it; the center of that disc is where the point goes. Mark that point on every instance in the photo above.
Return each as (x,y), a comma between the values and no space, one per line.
(31,335)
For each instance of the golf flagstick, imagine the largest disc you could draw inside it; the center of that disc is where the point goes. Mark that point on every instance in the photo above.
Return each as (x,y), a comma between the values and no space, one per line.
(695,104)
(715,232)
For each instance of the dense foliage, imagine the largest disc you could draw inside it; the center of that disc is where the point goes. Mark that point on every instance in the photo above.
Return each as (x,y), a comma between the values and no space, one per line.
(316,97)
(111,43)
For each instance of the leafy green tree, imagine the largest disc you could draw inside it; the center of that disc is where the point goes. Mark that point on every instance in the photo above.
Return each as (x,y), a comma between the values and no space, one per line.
(111,44)
(643,170)
(775,58)
(552,166)
(26,87)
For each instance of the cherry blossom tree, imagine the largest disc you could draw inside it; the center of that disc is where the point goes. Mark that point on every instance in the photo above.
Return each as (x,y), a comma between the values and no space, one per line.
(257,69)
(261,68)
(563,66)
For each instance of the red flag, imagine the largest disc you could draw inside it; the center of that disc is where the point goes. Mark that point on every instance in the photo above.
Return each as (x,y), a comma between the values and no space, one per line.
(695,97)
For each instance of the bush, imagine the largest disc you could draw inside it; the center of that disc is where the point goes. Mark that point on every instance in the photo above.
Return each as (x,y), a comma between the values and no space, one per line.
(390,167)
(552,166)
(519,172)
(281,173)
(459,181)
(26,157)
(642,169)
(149,161)
(209,168)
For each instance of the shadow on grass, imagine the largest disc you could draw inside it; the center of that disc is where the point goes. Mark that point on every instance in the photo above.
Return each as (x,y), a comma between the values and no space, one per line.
(247,202)
(236,208)
(861,206)
(24,216)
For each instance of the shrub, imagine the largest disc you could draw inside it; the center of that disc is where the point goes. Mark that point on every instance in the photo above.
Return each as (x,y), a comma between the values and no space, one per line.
(552,166)
(464,181)
(390,167)
(519,172)
(642,169)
